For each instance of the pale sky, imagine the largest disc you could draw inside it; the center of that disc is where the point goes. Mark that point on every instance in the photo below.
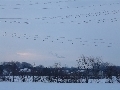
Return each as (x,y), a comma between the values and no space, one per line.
(50,31)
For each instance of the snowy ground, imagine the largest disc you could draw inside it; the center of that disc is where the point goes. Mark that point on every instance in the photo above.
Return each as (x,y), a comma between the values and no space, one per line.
(44,79)
(92,85)
(51,86)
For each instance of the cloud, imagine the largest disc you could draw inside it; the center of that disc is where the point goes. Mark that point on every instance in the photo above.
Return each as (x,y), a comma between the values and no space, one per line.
(25,54)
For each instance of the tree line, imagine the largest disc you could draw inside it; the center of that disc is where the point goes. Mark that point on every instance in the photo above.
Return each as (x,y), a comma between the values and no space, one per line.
(88,68)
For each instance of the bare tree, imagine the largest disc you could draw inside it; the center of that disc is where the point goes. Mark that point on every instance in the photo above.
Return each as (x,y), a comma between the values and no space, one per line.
(91,67)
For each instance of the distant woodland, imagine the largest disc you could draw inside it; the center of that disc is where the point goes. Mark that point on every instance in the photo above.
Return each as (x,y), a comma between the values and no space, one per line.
(88,68)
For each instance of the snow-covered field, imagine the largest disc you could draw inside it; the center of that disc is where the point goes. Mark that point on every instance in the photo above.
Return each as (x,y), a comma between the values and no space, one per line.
(52,86)
(44,79)
(92,85)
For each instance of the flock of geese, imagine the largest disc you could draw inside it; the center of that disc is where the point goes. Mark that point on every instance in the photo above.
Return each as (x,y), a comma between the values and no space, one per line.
(78,40)
(32,3)
(71,18)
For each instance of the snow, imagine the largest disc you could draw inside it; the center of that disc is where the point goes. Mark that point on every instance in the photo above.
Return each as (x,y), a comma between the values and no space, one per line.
(55,86)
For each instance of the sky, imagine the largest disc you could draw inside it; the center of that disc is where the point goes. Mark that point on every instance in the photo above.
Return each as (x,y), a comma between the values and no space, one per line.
(45,32)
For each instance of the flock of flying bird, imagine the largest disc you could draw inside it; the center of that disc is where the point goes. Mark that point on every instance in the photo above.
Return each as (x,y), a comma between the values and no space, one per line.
(62,19)
(32,3)
(71,18)
(62,39)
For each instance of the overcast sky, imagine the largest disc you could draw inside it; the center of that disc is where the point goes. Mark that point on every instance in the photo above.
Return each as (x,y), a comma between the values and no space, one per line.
(50,31)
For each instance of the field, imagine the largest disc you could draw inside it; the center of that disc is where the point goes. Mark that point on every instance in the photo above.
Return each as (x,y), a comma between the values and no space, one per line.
(54,86)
